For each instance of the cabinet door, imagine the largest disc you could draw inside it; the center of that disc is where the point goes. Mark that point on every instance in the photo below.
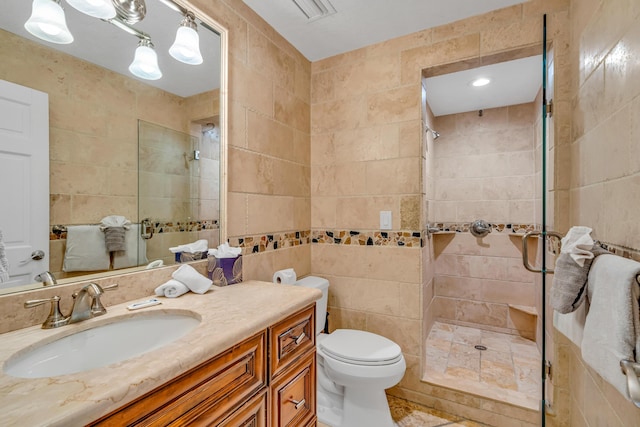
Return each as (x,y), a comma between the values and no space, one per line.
(293,394)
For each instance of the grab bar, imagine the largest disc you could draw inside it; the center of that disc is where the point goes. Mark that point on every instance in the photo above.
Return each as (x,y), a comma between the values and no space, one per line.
(525,248)
(632,371)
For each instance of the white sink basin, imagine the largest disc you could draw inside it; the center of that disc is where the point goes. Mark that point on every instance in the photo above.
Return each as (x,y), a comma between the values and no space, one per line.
(100,346)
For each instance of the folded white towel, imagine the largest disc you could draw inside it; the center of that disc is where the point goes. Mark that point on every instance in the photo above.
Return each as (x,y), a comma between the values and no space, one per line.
(197,246)
(578,243)
(136,250)
(225,251)
(612,328)
(4,263)
(195,281)
(172,289)
(86,249)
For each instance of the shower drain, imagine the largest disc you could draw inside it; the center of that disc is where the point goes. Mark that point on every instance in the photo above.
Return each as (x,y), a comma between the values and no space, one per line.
(480,347)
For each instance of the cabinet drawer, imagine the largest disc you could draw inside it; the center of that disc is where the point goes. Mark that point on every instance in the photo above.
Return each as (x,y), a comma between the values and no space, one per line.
(251,414)
(291,338)
(293,394)
(214,387)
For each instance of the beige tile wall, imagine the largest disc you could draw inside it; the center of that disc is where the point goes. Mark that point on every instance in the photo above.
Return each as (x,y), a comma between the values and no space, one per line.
(484,165)
(367,154)
(482,283)
(269,153)
(597,176)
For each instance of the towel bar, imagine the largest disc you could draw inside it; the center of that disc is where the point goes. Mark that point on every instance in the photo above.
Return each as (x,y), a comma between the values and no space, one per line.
(632,371)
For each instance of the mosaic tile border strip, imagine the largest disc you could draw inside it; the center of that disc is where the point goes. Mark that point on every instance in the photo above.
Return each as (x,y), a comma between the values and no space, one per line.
(270,242)
(158,227)
(463,227)
(623,251)
(409,238)
(184,226)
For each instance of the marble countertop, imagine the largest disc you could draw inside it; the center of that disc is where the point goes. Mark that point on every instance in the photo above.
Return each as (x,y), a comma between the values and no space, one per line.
(228,315)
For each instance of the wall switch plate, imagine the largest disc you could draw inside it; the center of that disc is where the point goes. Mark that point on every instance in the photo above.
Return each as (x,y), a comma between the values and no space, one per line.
(385,220)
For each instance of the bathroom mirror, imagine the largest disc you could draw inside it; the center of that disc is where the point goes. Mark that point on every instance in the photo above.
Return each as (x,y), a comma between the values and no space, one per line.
(147,150)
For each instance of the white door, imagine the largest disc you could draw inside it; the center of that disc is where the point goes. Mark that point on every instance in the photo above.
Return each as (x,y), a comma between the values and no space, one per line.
(24,180)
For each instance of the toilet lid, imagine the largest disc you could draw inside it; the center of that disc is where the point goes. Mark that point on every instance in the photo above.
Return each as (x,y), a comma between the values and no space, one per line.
(360,348)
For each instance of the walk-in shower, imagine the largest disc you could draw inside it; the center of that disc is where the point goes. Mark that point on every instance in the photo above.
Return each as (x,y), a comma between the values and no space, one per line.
(483,323)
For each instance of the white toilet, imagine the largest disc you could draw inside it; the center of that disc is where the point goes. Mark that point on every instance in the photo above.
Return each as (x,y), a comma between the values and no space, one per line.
(354,369)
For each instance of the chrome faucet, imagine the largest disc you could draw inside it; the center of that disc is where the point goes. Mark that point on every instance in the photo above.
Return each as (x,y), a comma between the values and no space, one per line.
(47,278)
(86,304)
(82,302)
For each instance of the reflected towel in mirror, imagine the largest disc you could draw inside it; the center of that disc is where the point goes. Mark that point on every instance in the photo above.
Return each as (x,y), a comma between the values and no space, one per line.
(86,249)
(4,263)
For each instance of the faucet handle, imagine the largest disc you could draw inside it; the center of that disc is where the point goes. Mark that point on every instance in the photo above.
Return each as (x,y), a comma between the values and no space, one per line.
(55,318)
(97,309)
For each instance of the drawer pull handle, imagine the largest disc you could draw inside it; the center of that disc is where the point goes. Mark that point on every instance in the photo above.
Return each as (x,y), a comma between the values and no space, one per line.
(299,338)
(298,403)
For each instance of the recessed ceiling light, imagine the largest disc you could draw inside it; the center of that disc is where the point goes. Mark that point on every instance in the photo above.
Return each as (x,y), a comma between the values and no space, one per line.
(482,81)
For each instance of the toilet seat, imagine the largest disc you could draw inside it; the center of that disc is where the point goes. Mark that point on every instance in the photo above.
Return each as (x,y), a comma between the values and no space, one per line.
(360,348)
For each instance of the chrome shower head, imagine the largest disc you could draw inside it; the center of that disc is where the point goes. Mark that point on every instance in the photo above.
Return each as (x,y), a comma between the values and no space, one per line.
(434,133)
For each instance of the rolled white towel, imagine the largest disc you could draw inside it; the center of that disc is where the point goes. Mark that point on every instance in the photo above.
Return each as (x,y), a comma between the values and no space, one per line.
(195,281)
(197,246)
(172,289)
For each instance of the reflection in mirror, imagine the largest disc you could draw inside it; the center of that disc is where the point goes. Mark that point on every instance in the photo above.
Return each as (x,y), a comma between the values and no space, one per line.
(118,145)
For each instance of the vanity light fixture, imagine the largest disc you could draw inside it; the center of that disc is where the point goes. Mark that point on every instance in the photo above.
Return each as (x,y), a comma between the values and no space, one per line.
(479,82)
(101,9)
(186,47)
(145,62)
(47,22)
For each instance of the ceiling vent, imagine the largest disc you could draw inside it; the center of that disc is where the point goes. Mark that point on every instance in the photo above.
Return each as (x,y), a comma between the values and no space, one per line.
(315,9)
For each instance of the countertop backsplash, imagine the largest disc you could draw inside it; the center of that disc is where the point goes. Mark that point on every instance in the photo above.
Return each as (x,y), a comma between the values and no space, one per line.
(131,286)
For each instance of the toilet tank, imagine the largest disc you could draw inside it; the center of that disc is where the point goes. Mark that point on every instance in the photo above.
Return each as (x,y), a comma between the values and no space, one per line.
(321,304)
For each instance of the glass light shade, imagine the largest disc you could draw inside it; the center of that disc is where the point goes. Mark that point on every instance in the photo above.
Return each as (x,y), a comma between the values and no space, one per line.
(102,9)
(145,62)
(482,81)
(186,48)
(47,22)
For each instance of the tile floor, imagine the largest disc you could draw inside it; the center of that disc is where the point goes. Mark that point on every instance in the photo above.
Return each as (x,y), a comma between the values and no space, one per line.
(508,370)
(409,414)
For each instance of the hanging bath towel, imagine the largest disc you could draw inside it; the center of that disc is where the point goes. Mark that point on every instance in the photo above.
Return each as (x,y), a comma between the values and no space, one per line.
(612,328)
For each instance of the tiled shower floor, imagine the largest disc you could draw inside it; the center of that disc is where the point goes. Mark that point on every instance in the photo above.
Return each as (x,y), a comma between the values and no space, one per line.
(508,370)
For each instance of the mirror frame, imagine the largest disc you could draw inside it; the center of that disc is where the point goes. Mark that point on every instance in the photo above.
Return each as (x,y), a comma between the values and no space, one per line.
(223,32)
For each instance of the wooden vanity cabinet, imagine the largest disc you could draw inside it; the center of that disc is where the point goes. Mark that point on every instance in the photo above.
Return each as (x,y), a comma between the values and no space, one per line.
(266,380)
